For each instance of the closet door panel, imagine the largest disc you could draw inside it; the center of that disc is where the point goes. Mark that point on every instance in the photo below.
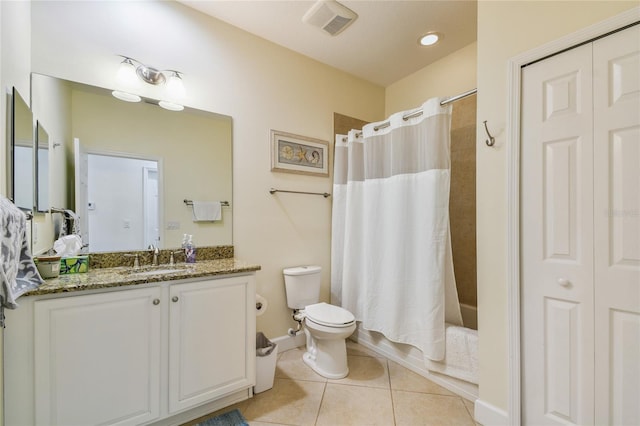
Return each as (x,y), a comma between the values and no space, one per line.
(617,227)
(557,240)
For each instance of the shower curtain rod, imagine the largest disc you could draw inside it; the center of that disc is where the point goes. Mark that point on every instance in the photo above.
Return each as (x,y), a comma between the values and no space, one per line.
(458,97)
(419,112)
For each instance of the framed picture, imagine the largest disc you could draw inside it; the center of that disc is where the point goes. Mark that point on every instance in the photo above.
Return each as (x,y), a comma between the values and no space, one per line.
(299,154)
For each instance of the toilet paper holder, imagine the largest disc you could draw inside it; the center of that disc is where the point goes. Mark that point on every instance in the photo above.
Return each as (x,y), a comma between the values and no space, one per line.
(261,305)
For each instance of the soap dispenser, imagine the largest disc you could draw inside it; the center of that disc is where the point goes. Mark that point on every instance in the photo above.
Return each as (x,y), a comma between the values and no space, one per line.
(190,251)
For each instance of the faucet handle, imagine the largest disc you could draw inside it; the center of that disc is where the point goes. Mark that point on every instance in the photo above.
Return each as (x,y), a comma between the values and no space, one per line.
(172,258)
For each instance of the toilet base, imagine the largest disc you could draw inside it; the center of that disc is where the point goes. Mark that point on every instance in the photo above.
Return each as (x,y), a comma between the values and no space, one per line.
(327,350)
(336,373)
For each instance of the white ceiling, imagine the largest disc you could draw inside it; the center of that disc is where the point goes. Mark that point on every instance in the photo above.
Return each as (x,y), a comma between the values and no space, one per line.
(380,46)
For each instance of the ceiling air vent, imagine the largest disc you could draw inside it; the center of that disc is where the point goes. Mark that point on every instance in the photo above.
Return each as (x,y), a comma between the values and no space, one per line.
(330,16)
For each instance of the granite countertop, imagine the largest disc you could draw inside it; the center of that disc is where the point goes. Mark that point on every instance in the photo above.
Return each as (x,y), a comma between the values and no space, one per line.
(125,276)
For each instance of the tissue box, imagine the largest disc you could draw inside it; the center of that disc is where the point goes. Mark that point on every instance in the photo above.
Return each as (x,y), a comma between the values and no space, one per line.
(74,265)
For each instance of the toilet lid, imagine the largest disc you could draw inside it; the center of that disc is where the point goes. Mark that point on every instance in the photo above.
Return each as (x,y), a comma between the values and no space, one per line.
(329,315)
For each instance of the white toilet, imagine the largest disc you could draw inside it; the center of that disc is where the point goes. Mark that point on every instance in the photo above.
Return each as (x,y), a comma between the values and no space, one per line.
(326,326)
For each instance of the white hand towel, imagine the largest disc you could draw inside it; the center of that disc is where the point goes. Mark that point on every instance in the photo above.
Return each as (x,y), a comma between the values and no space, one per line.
(207,211)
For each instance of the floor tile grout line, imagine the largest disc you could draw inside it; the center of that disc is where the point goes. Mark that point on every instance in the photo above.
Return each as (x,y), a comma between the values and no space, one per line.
(324,390)
(393,405)
(430,393)
(468,411)
(389,374)
(302,380)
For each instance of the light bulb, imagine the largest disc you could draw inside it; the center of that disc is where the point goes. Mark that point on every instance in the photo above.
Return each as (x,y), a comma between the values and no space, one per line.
(429,39)
(175,87)
(126,76)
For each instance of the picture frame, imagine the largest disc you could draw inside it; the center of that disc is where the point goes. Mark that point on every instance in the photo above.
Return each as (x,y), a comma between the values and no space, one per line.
(299,154)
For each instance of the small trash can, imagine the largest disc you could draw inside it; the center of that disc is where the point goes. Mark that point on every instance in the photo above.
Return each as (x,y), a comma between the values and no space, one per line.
(266,355)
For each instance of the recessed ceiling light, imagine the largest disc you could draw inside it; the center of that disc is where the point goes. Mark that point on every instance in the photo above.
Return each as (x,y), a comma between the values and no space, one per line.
(429,39)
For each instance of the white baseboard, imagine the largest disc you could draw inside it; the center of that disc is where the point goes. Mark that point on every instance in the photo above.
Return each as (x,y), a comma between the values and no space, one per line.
(489,415)
(287,342)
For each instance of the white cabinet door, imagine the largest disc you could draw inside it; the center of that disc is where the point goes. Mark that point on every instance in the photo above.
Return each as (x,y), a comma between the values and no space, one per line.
(616,62)
(97,358)
(211,340)
(557,240)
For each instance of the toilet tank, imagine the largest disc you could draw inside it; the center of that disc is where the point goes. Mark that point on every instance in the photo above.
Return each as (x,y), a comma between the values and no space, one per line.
(302,284)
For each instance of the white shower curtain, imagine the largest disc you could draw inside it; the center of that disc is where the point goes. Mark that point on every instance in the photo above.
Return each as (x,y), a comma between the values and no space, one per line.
(391,252)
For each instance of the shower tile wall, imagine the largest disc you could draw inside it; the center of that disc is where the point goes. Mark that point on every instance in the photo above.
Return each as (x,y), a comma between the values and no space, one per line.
(343,123)
(462,207)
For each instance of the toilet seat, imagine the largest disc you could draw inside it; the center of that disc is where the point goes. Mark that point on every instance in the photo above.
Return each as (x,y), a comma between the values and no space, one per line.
(329,315)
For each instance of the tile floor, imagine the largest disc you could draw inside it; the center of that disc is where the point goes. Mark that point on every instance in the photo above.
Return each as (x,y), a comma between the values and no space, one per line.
(377,391)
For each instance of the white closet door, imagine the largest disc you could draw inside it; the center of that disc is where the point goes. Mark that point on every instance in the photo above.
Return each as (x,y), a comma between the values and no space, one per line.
(557,240)
(616,62)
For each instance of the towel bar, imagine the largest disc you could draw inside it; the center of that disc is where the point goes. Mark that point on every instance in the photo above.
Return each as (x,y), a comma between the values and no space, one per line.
(190,203)
(324,194)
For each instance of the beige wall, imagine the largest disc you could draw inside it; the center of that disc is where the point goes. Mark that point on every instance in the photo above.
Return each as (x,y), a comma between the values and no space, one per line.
(15,64)
(447,77)
(260,85)
(506,29)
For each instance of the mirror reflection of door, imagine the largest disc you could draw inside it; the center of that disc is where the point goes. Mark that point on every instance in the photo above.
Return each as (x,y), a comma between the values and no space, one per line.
(120,214)
(122,203)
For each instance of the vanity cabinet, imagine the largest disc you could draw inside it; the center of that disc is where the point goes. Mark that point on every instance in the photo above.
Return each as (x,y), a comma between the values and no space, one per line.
(160,353)
(97,358)
(209,354)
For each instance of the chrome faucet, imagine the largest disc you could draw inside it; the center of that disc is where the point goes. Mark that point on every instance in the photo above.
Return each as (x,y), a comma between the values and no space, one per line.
(154,250)
(172,260)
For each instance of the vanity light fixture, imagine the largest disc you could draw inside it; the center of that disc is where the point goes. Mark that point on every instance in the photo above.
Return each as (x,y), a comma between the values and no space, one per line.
(132,71)
(429,39)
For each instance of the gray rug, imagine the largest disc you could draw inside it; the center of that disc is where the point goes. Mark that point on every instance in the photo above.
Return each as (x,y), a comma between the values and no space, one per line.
(231,418)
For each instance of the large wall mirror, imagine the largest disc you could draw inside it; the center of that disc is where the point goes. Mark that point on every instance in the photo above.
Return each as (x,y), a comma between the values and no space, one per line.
(133,165)
(22,154)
